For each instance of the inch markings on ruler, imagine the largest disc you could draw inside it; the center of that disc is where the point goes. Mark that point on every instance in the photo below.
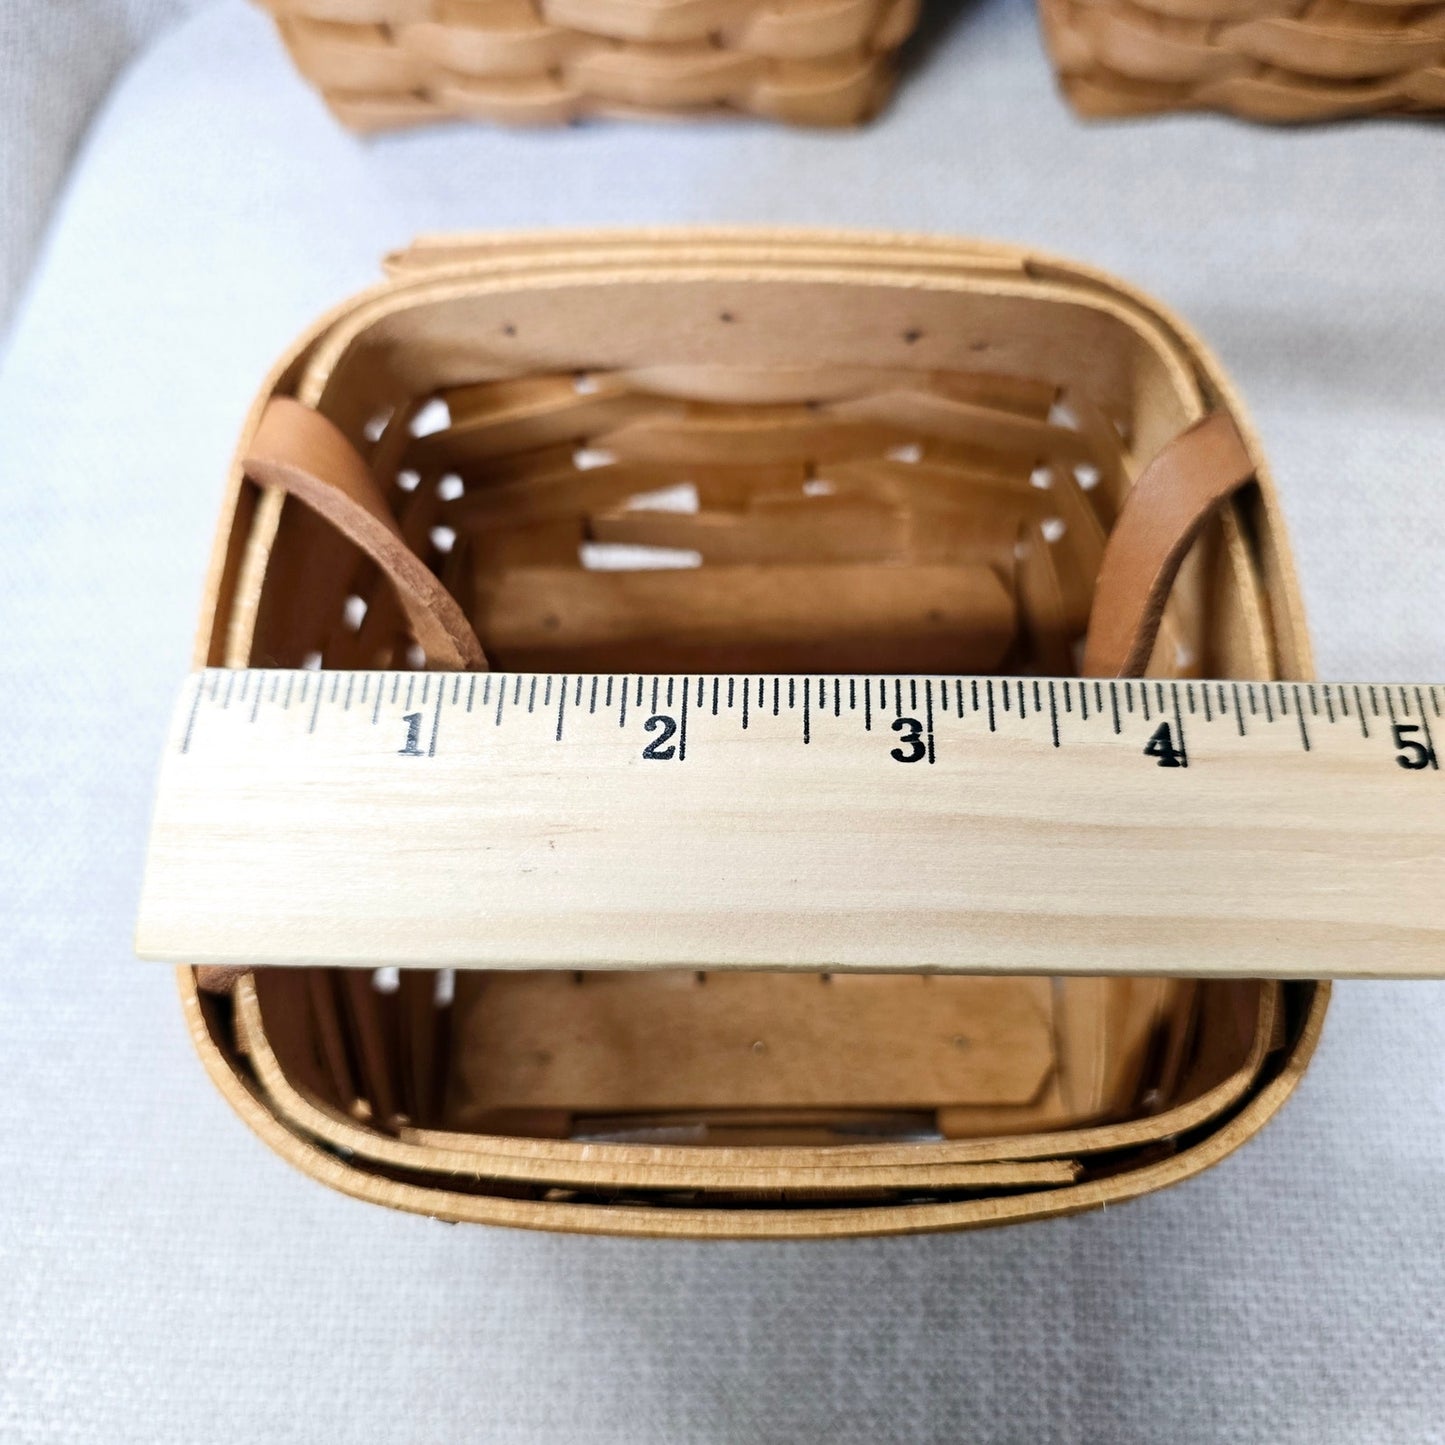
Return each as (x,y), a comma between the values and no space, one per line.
(920,709)
(1051,825)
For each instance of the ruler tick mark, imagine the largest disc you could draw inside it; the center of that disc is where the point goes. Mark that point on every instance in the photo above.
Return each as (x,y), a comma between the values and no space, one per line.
(1054,711)
(1299,713)
(1238,709)
(1360,709)
(1178,722)
(1429,739)
(1114,702)
(989,686)
(562,704)
(191,717)
(928,706)
(436,720)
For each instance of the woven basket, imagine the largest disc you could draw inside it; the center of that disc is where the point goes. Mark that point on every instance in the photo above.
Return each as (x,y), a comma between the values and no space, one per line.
(872,450)
(1266,60)
(384,63)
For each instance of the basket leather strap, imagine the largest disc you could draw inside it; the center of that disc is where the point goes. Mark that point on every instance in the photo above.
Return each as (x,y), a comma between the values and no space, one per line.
(298,450)
(1165,511)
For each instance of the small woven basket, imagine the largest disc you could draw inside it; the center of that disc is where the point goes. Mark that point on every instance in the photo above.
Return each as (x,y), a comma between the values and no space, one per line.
(867,453)
(385,63)
(1265,60)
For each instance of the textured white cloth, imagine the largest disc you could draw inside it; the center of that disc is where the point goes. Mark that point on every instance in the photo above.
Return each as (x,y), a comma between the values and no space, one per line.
(57,61)
(164,1278)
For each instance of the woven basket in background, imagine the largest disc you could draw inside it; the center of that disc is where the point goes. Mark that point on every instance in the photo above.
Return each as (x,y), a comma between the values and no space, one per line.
(1266,60)
(385,63)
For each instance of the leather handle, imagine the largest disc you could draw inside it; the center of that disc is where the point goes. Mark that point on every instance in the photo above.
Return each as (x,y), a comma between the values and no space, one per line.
(1165,511)
(299,451)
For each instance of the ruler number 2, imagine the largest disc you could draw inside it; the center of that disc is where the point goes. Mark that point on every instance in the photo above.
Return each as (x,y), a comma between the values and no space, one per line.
(655,748)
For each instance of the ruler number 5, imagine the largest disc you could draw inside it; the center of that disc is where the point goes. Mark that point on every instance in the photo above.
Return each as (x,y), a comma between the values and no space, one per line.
(1412,755)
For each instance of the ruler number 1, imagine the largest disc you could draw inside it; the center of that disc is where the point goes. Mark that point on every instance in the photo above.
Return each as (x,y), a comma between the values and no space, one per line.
(412,748)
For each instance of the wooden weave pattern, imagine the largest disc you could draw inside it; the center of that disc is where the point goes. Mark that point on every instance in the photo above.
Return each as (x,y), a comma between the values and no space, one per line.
(1265,60)
(613,449)
(386,63)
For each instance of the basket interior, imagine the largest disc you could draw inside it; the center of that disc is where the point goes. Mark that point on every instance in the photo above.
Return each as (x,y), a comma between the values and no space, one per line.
(896,507)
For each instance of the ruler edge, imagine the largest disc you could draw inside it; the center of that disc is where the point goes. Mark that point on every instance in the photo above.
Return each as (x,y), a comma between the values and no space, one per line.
(190,695)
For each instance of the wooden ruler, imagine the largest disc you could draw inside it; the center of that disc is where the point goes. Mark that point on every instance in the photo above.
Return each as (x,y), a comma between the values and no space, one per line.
(992,825)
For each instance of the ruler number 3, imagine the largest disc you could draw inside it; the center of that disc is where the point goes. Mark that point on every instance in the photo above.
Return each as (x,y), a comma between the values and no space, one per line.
(910,747)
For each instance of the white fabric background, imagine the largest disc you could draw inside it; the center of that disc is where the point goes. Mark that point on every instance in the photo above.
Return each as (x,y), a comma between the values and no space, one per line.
(164,1278)
(56,61)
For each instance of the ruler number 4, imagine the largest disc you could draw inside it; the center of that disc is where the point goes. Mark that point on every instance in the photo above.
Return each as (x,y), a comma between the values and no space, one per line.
(1161,746)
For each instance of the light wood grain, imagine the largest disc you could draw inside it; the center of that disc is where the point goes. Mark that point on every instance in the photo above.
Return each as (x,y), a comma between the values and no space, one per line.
(297,830)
